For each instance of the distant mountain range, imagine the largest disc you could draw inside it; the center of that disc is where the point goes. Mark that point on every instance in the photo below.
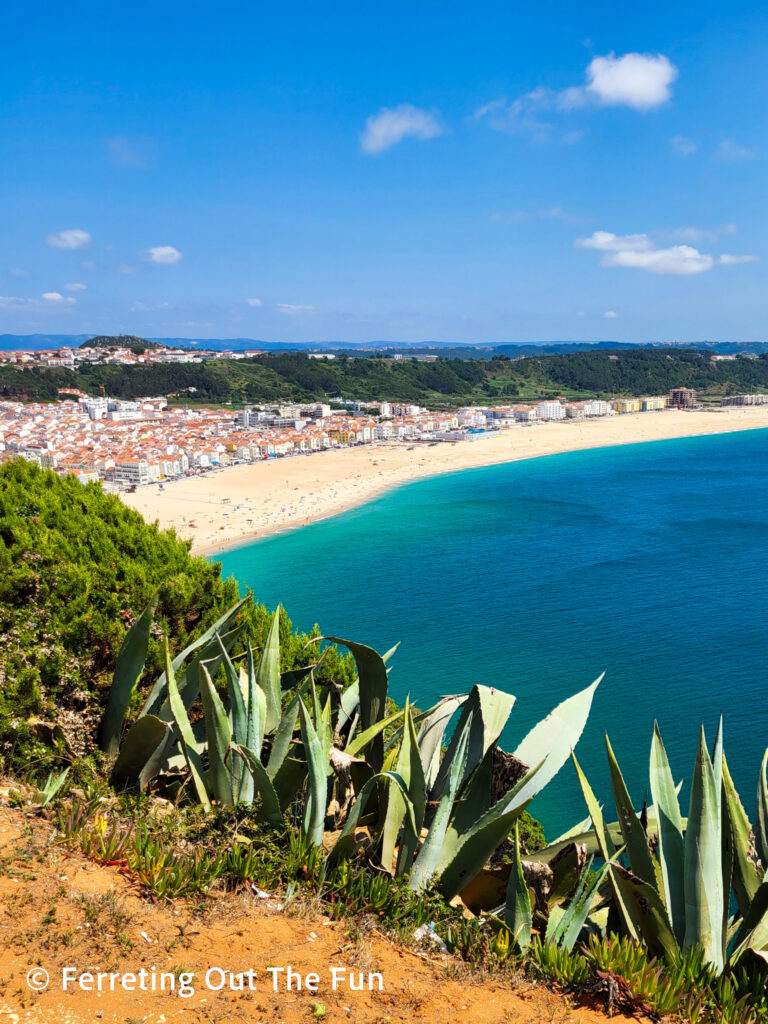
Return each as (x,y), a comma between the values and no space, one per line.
(450,350)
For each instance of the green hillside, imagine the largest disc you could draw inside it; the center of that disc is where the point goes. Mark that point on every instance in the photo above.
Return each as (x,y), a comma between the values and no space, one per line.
(76,566)
(441,383)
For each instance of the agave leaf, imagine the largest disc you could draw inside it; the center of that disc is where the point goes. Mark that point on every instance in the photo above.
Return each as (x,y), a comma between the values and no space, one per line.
(268,673)
(186,736)
(372,676)
(417,794)
(570,924)
(129,665)
(290,776)
(284,735)
(605,846)
(219,625)
(461,860)
(426,862)
(551,741)
(219,741)
(649,912)
(262,784)
(746,880)
(431,732)
(238,716)
(518,916)
(704,896)
(633,833)
(483,716)
(256,709)
(475,798)
(670,835)
(188,679)
(317,766)
(364,739)
(761,819)
(144,736)
(408,768)
(753,933)
(348,705)
(344,845)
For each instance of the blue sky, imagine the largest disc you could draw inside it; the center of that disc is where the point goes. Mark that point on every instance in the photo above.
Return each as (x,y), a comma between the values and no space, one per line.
(482,172)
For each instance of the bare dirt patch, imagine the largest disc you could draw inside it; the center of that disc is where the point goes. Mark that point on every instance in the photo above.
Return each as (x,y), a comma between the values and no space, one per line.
(59,910)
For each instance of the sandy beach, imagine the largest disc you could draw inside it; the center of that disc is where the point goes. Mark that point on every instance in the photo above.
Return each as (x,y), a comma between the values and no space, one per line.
(230,506)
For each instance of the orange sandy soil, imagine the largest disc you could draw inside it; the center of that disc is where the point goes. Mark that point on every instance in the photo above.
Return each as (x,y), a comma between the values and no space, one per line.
(58,909)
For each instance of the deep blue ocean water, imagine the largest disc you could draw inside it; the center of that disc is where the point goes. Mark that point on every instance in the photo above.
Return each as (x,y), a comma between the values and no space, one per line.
(647,561)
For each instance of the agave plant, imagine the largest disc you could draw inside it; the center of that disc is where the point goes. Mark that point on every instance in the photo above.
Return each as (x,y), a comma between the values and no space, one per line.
(440,823)
(671,878)
(429,815)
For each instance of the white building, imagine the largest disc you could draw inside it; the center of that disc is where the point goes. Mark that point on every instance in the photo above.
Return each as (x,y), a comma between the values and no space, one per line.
(550,410)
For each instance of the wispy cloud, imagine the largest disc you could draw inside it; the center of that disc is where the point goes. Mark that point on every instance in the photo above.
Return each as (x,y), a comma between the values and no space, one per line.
(606,241)
(698,234)
(18,272)
(73,238)
(393,124)
(640,81)
(684,146)
(57,299)
(291,309)
(131,152)
(610,315)
(164,254)
(520,216)
(255,303)
(728,260)
(126,268)
(76,286)
(730,150)
(143,307)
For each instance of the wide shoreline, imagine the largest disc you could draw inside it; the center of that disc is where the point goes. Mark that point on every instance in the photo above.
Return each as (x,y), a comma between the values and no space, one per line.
(248,502)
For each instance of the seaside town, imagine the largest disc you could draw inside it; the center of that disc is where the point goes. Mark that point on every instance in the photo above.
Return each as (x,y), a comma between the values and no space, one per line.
(127,444)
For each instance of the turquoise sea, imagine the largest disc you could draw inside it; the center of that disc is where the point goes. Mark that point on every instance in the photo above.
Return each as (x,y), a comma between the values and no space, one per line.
(647,561)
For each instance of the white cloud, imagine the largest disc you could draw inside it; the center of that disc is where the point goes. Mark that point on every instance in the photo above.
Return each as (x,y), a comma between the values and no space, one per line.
(730,150)
(727,260)
(88,265)
(638,80)
(678,259)
(640,252)
(13,302)
(76,286)
(126,268)
(641,81)
(606,241)
(165,254)
(18,272)
(254,302)
(610,315)
(393,124)
(290,309)
(57,299)
(683,145)
(74,238)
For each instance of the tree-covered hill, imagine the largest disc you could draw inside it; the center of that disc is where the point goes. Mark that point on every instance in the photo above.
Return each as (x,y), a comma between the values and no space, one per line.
(76,567)
(440,383)
(120,341)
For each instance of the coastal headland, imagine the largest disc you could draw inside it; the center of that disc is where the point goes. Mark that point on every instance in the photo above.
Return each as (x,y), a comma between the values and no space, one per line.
(228,507)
